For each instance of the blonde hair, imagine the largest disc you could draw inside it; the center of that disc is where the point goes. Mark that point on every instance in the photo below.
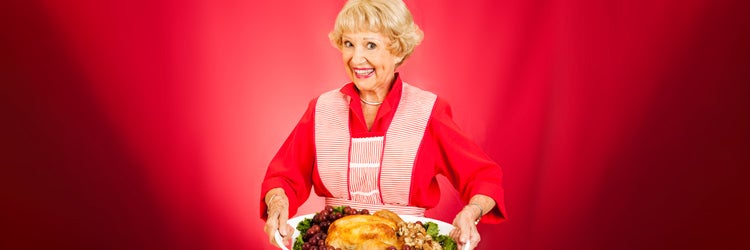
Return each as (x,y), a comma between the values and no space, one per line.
(388,17)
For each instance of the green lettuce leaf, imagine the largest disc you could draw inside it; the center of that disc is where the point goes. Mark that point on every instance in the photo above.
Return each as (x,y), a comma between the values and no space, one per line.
(339,209)
(432,229)
(298,243)
(302,227)
(446,242)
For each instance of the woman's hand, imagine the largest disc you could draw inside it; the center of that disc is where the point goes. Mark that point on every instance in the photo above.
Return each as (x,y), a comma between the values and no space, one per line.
(278,213)
(465,228)
(465,224)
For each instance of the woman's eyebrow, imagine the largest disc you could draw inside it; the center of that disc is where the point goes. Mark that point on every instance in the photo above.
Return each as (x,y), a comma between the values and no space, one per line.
(344,37)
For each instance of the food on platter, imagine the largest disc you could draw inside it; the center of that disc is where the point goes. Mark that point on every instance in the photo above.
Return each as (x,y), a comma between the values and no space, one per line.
(387,214)
(415,236)
(351,229)
(363,232)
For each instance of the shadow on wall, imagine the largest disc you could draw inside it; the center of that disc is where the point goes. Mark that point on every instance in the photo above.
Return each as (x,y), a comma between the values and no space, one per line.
(67,180)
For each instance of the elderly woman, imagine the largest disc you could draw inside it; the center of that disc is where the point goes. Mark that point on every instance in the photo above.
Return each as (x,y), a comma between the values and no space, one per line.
(378,142)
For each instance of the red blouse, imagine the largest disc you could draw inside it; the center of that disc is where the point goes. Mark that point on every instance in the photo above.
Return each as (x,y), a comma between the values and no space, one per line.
(445,150)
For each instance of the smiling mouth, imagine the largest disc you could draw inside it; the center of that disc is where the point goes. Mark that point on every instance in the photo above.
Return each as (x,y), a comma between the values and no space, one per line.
(363,73)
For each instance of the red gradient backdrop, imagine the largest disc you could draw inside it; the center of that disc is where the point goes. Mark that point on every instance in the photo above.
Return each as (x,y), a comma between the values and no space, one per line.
(149,124)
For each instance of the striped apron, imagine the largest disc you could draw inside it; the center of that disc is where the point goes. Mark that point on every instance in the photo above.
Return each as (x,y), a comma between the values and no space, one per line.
(370,173)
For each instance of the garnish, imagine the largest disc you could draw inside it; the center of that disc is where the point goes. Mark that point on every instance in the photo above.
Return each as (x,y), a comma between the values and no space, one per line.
(302,227)
(445,241)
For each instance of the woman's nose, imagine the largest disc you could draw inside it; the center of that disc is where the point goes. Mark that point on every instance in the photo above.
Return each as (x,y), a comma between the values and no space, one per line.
(358,56)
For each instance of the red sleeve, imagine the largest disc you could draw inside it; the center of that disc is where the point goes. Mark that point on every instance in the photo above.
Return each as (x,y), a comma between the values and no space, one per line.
(465,164)
(291,168)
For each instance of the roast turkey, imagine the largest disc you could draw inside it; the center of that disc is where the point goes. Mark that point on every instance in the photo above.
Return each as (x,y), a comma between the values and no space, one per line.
(360,232)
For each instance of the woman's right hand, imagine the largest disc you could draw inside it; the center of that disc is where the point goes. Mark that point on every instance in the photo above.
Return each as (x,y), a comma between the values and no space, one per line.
(278,213)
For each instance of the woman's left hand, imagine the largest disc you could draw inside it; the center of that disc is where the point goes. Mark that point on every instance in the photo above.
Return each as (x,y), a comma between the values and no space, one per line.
(465,229)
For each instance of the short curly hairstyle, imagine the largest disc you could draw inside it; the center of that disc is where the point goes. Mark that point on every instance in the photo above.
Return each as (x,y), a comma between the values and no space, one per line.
(388,17)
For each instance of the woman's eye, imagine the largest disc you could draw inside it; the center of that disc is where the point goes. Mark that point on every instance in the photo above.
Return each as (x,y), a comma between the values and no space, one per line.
(371,46)
(348,44)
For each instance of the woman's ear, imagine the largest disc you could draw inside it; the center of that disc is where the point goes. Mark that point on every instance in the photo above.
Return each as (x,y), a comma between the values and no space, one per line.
(333,43)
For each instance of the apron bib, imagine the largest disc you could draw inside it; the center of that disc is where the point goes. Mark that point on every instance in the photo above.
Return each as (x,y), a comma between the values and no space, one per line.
(370,173)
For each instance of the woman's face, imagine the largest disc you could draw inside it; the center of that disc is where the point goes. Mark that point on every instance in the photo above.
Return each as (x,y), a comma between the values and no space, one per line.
(368,61)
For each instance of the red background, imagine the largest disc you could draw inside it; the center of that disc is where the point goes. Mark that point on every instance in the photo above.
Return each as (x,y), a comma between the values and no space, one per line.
(149,124)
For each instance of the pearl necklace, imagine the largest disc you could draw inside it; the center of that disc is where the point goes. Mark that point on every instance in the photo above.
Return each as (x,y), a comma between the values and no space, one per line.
(370,103)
